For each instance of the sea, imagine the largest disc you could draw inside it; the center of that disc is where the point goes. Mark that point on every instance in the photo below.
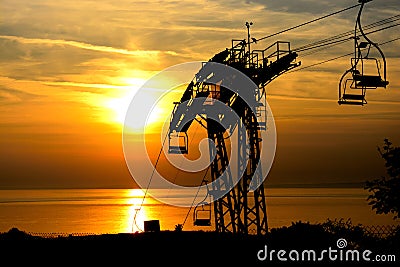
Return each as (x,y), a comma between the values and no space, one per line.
(102,211)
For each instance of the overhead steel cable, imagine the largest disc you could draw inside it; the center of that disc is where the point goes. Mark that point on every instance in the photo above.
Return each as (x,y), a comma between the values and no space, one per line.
(178,170)
(305,23)
(332,43)
(148,184)
(324,46)
(350,33)
(335,58)
(194,199)
(342,40)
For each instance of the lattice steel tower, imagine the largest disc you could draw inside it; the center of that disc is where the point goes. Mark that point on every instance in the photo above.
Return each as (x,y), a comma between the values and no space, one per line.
(239,210)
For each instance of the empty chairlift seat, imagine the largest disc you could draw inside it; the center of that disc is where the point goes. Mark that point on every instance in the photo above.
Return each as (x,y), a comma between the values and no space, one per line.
(202,214)
(178,143)
(369,81)
(352,99)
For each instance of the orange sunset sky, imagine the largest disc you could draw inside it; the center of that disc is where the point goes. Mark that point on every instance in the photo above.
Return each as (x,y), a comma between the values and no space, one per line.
(70,68)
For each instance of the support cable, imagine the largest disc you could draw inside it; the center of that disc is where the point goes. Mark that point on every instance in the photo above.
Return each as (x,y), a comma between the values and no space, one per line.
(198,190)
(148,185)
(345,34)
(179,170)
(305,23)
(335,58)
(333,43)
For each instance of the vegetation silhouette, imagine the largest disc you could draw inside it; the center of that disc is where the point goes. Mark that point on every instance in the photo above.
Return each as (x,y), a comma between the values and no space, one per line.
(205,247)
(385,197)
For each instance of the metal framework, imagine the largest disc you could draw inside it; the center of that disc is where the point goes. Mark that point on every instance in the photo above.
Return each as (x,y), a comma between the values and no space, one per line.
(239,210)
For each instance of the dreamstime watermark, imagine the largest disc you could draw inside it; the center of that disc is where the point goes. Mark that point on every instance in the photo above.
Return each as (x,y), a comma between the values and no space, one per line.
(330,254)
(173,81)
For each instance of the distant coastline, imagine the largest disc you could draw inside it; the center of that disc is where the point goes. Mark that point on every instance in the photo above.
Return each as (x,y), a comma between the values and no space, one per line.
(267,185)
(318,185)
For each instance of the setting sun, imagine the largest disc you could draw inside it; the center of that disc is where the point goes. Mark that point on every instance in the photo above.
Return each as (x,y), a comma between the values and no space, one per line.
(119,105)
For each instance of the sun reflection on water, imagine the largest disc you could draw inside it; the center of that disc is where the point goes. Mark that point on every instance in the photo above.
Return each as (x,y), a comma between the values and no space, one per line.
(136,214)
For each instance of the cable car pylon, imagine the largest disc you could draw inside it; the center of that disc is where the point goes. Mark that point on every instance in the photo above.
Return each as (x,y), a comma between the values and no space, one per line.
(238,210)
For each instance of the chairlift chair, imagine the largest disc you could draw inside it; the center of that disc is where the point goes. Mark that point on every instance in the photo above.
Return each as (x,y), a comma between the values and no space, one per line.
(365,73)
(178,143)
(202,214)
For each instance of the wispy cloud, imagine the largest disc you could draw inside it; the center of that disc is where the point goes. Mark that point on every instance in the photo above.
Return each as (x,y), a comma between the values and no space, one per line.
(11,95)
(100,48)
(88,85)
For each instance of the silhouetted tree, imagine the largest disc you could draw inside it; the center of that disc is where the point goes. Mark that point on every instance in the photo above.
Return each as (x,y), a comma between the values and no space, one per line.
(385,191)
(178,227)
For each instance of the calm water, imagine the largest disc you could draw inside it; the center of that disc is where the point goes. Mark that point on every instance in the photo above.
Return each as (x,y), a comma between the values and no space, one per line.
(112,210)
